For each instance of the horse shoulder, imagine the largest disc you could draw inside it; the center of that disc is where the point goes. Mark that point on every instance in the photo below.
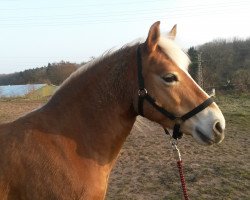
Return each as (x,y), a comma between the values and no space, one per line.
(34,165)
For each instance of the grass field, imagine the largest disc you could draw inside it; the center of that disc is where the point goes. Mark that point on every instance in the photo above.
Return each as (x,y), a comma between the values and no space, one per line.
(146,169)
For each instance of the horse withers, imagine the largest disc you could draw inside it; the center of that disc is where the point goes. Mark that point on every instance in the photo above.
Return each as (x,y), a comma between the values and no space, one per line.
(66,148)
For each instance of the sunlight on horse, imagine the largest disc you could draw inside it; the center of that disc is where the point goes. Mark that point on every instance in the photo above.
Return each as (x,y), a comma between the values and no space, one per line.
(67,148)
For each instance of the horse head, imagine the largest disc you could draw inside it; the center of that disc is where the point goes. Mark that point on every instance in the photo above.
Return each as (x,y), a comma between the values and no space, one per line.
(169,87)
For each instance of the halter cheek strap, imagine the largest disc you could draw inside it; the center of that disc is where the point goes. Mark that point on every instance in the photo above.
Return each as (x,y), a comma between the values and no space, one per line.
(143,95)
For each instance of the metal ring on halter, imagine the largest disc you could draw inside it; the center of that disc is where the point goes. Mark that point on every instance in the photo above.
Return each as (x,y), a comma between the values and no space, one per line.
(142,92)
(178,120)
(174,142)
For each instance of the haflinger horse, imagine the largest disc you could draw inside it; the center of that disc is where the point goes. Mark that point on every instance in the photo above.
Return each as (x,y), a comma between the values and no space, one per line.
(67,148)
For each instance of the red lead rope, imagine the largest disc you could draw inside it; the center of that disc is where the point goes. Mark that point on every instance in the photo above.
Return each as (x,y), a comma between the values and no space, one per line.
(183,183)
(180,167)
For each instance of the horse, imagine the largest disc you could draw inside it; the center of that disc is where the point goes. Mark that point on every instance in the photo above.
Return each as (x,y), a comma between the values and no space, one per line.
(67,148)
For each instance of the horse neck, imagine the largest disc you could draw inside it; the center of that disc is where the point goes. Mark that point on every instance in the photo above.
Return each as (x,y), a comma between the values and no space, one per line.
(97,105)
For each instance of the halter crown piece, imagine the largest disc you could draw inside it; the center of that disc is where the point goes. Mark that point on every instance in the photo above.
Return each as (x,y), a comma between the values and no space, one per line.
(143,95)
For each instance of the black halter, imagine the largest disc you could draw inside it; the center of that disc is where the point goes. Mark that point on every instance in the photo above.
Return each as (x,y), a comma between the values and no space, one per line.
(143,95)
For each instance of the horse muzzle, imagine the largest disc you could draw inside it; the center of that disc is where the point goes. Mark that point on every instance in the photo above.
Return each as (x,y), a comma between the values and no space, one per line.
(214,136)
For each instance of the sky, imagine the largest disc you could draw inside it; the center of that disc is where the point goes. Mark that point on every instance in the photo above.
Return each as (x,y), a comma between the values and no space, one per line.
(35,33)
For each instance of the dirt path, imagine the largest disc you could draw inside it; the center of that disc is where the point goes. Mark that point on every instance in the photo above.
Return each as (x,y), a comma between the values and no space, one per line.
(11,109)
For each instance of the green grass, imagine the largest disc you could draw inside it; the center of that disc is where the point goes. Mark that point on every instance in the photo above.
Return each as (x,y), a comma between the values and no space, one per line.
(42,93)
(236,109)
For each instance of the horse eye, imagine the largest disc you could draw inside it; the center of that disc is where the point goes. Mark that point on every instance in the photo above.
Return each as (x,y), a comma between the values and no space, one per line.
(170,78)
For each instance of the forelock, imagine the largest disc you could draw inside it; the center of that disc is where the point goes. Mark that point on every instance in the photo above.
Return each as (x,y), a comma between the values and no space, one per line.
(174,52)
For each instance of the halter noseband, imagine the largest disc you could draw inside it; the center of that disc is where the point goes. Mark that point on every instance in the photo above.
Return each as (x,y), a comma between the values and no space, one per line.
(143,95)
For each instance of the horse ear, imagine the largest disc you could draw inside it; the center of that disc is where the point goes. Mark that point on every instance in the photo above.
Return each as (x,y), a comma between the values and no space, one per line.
(172,33)
(153,36)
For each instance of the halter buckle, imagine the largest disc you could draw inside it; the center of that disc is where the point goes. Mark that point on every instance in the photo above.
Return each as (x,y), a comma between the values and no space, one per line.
(142,92)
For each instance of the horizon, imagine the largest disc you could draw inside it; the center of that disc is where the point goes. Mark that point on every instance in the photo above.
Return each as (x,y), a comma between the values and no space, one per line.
(84,62)
(34,34)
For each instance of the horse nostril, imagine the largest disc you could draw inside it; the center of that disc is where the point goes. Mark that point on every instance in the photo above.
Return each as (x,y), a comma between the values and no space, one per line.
(218,128)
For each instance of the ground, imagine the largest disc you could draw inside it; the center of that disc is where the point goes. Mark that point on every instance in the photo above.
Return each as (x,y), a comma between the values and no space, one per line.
(146,168)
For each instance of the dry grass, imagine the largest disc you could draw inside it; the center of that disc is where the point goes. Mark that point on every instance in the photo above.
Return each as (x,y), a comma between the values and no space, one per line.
(146,169)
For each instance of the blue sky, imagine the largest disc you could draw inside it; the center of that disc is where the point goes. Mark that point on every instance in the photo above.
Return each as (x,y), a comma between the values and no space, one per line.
(34,33)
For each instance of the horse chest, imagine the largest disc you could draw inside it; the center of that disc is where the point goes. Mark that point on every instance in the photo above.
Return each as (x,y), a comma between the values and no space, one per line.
(31,170)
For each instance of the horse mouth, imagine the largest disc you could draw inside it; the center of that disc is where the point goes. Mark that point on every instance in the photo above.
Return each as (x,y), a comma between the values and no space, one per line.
(204,137)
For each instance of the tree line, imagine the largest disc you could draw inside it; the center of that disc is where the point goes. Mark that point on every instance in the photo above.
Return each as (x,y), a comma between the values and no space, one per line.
(54,73)
(225,65)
